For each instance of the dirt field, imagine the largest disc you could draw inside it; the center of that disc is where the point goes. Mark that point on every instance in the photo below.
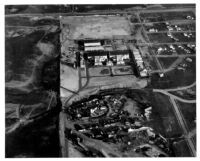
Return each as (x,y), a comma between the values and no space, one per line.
(96,26)
(69,77)
(117,82)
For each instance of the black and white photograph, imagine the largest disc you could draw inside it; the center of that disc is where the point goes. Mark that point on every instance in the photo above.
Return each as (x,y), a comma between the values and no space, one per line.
(100,80)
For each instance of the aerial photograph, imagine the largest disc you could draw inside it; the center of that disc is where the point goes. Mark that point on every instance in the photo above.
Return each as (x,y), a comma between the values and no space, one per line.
(100,80)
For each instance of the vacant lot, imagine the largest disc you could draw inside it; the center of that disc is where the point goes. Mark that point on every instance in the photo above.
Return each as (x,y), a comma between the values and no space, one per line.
(175,78)
(159,38)
(122,70)
(68,77)
(167,61)
(96,26)
(99,71)
(163,117)
(181,149)
(189,113)
(116,81)
(31,21)
(32,74)
(158,26)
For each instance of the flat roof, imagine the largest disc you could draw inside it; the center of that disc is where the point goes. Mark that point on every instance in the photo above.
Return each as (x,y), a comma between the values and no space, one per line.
(92,44)
(93,48)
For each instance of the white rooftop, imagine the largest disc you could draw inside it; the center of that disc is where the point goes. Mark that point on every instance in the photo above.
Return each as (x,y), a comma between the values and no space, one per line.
(92,44)
(94,48)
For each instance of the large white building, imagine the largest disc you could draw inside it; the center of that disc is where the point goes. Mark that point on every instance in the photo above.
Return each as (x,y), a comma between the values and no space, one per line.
(140,64)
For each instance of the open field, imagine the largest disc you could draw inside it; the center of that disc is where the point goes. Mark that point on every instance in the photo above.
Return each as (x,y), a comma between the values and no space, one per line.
(68,77)
(167,61)
(96,27)
(122,70)
(163,117)
(34,140)
(165,16)
(181,149)
(99,71)
(175,78)
(116,81)
(160,38)
(31,89)
(151,63)
(149,60)
(31,21)
(189,113)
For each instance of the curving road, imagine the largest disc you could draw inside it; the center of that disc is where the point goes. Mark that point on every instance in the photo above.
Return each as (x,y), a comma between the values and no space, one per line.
(173,96)
(188,134)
